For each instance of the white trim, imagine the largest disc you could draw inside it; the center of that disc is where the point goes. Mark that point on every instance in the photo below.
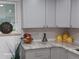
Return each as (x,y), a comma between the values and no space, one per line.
(7,2)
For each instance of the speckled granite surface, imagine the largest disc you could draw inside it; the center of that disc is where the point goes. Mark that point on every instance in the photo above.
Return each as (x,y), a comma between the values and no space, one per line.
(51,44)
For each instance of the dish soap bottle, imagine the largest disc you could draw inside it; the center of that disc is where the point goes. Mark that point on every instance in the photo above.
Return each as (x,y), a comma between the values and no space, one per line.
(44,38)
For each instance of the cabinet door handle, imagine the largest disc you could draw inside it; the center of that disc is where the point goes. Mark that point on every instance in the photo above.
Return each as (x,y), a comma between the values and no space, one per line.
(43,26)
(70,25)
(57,26)
(46,26)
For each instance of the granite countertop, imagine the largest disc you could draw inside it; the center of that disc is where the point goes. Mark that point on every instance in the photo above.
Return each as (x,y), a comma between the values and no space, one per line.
(51,44)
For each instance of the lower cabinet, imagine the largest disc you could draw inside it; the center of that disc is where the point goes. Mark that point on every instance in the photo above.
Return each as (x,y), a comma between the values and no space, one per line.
(58,53)
(37,54)
(72,56)
(48,53)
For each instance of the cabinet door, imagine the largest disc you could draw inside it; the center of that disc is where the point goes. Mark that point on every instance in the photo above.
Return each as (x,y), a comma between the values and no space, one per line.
(75,14)
(33,13)
(50,13)
(11,0)
(72,56)
(63,13)
(58,53)
(38,54)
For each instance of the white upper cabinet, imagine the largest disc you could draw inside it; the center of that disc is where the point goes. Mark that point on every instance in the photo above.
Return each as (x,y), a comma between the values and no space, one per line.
(50,13)
(39,13)
(33,13)
(63,13)
(10,0)
(75,14)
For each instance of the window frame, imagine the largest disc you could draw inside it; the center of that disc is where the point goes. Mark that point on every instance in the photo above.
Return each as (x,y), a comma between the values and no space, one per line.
(17,25)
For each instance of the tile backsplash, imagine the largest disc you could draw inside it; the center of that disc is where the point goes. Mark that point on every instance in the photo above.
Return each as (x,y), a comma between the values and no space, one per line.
(51,33)
(37,33)
(75,33)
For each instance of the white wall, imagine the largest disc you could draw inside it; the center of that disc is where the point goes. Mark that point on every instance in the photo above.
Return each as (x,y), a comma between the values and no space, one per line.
(12,43)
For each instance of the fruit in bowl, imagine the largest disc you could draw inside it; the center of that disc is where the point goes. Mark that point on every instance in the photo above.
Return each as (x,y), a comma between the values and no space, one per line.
(59,38)
(65,36)
(70,40)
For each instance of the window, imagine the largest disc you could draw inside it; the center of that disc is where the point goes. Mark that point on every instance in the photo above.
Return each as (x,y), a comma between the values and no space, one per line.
(7,13)
(10,12)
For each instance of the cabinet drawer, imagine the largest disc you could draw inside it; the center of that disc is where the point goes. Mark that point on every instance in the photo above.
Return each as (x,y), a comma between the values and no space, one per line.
(38,54)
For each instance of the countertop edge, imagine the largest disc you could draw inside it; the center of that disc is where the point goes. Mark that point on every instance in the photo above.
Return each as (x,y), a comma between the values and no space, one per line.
(69,47)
